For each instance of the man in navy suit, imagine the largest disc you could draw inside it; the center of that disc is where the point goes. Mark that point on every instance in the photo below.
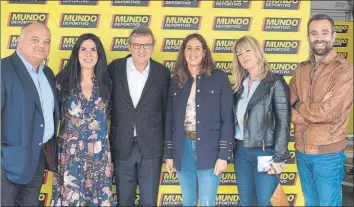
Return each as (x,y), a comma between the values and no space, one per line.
(29,117)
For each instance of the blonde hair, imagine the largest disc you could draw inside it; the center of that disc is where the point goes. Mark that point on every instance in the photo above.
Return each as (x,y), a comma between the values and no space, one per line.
(238,72)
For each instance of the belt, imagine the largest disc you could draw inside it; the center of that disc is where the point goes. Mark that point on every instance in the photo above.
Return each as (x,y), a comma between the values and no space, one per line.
(190,134)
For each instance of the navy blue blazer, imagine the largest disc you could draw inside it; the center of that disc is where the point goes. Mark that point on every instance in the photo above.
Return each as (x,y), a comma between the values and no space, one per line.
(215,128)
(22,122)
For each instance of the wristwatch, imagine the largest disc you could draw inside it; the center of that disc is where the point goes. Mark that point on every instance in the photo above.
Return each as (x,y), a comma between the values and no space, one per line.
(295,104)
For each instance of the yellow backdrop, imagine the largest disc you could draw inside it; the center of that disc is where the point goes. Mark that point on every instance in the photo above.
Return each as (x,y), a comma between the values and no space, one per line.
(280,26)
(344,46)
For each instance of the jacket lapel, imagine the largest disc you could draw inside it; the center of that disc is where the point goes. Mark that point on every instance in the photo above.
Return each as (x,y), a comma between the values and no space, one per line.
(262,89)
(149,81)
(27,81)
(51,81)
(123,79)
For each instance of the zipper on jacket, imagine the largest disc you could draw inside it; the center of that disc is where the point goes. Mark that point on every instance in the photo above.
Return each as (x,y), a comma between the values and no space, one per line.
(264,115)
(303,140)
(313,70)
(244,123)
(235,115)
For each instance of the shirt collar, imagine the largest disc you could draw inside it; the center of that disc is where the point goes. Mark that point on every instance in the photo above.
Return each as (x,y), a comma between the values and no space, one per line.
(28,65)
(131,67)
(245,81)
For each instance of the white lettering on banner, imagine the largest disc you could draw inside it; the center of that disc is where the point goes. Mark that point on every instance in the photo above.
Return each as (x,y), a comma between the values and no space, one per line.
(75,23)
(127,24)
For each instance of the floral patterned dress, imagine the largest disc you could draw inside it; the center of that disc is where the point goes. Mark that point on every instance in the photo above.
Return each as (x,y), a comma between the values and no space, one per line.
(85,168)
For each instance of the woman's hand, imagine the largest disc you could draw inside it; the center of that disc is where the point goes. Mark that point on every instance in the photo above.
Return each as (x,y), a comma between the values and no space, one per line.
(279,167)
(220,166)
(169,165)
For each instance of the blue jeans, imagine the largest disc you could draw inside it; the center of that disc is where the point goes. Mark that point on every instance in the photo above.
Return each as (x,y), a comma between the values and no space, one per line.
(189,176)
(321,178)
(254,188)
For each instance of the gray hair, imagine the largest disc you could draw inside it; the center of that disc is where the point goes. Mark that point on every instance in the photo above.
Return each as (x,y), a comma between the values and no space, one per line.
(141,31)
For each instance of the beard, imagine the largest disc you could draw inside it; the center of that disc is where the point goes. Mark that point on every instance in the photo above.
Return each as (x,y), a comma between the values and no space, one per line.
(321,51)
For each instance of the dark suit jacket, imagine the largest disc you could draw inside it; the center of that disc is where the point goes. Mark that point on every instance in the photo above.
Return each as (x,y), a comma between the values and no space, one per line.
(22,121)
(148,116)
(215,127)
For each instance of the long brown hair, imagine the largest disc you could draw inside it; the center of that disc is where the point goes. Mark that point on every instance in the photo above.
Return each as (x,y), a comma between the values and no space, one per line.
(181,72)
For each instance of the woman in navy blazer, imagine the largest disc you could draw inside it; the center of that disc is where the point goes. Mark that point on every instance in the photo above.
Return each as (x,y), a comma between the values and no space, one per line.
(199,122)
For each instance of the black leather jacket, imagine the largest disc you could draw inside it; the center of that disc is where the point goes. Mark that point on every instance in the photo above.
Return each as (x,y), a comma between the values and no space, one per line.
(267,117)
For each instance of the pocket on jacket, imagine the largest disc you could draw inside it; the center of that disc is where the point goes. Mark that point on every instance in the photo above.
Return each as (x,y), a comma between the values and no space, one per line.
(319,134)
(10,142)
(175,96)
(215,126)
(13,158)
(175,93)
(154,123)
(157,131)
(212,135)
(213,97)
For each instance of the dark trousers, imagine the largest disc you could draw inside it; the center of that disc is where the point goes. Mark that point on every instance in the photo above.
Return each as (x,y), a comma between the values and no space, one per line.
(137,170)
(13,194)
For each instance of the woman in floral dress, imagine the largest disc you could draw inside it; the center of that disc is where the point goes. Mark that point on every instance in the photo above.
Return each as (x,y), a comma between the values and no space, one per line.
(84,176)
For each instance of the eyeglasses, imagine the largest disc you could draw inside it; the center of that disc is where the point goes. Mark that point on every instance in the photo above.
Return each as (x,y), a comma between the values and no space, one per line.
(138,46)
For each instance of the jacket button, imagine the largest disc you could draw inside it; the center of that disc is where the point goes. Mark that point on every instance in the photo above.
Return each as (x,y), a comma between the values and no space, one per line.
(198,138)
(41,125)
(228,158)
(198,77)
(40,144)
(212,91)
(198,90)
(198,122)
(175,94)
(229,150)
(198,105)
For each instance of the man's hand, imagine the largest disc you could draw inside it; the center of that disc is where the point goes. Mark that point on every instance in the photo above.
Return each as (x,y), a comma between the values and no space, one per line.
(220,166)
(169,165)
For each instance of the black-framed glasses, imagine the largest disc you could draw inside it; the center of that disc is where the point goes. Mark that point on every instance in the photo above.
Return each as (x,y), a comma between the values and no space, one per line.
(138,46)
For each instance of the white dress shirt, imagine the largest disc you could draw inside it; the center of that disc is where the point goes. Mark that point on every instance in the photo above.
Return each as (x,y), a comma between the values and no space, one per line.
(136,82)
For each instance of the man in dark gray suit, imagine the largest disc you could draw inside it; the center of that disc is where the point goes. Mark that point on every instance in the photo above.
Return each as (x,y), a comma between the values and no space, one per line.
(139,99)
